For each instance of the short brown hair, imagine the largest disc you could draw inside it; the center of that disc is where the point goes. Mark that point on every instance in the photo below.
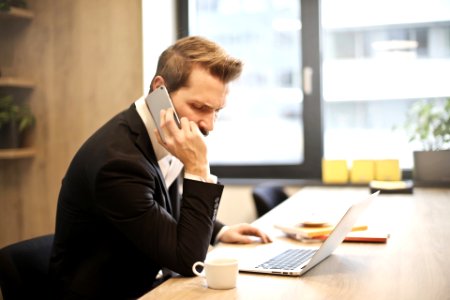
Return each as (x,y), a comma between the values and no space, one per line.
(176,62)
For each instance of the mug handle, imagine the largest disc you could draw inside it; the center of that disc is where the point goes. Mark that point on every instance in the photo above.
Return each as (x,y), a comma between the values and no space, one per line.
(194,268)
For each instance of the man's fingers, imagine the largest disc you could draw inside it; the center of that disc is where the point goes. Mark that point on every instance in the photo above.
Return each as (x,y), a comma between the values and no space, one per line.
(254,231)
(169,120)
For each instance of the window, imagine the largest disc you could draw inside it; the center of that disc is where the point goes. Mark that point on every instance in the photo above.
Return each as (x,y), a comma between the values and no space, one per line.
(357,66)
(378,59)
(261,132)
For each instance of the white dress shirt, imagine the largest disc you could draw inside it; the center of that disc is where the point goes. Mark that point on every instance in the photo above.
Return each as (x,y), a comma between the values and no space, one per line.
(170,166)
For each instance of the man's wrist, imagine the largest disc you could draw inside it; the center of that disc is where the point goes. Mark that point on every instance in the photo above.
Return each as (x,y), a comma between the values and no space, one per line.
(210,178)
(221,232)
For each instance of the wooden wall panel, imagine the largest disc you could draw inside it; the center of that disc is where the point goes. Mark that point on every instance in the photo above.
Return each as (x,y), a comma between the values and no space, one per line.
(86,60)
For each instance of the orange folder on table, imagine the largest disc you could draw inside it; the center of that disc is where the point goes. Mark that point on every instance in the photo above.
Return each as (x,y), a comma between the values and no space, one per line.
(312,232)
(366,236)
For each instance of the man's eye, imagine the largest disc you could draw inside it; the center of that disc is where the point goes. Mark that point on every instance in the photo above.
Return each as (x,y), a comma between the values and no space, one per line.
(202,107)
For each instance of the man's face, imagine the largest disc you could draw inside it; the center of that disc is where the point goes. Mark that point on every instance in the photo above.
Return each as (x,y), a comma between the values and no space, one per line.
(201,100)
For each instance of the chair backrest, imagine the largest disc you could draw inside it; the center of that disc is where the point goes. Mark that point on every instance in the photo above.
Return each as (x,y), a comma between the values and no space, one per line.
(24,269)
(267,197)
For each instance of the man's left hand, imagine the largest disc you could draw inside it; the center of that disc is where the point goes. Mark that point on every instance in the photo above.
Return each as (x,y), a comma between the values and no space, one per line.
(242,233)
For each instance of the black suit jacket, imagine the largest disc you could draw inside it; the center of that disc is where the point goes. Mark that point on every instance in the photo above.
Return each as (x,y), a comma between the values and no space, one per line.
(117,224)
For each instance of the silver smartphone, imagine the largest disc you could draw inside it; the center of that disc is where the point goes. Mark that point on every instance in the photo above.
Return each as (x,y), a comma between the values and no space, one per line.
(157,100)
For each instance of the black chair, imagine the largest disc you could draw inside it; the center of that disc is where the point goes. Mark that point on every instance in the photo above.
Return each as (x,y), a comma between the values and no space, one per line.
(267,197)
(24,268)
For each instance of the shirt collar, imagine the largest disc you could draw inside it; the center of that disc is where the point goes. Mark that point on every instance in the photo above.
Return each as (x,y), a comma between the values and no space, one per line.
(144,113)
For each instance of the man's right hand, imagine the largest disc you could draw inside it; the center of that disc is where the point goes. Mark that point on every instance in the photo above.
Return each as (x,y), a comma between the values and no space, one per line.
(186,143)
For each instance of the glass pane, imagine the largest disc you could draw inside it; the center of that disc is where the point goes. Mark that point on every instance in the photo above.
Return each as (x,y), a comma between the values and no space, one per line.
(379,58)
(262,122)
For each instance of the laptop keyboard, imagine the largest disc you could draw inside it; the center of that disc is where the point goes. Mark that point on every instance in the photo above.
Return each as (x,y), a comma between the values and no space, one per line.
(288,260)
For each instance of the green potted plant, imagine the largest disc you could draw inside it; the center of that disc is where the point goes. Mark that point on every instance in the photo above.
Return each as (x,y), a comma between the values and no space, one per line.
(14,121)
(5,5)
(428,122)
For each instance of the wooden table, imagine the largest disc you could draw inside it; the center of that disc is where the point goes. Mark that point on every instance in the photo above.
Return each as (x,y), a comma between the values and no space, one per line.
(413,264)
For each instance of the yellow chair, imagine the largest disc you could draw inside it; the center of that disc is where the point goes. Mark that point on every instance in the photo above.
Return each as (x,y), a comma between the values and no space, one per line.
(362,171)
(388,170)
(334,171)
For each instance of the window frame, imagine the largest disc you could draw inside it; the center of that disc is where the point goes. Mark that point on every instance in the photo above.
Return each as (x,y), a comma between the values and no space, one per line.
(310,168)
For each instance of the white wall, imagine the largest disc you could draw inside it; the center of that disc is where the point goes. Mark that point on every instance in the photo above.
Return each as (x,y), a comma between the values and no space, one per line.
(158,22)
(236,205)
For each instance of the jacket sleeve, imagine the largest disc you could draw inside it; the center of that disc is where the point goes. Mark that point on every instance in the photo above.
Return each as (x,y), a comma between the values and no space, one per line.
(131,197)
(217,227)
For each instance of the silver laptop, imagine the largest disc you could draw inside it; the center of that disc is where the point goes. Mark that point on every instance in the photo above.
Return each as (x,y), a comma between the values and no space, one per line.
(297,261)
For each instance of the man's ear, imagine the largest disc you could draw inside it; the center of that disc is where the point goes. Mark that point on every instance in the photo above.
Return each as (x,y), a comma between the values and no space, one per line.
(157,82)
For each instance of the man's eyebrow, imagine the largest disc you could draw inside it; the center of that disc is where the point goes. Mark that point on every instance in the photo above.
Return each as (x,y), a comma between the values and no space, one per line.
(200,103)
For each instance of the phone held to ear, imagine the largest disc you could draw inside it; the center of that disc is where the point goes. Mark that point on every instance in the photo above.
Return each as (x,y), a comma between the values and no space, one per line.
(156,101)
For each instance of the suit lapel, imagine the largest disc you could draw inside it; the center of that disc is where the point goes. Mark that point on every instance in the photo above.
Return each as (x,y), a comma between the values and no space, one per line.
(142,141)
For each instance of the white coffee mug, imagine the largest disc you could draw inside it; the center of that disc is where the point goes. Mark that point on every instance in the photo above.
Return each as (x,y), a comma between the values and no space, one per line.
(220,273)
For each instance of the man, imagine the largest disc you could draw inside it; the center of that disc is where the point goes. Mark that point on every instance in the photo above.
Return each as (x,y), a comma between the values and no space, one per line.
(120,216)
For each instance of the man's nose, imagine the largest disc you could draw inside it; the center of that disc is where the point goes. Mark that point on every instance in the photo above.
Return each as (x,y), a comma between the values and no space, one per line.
(207,123)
